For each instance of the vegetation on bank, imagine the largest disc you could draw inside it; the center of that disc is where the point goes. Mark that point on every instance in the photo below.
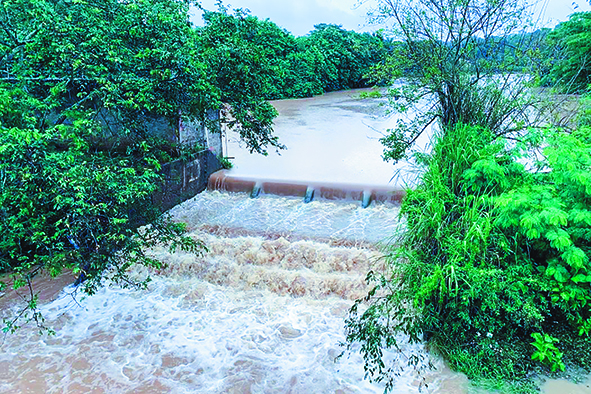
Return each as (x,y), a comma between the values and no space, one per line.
(492,269)
(251,56)
(74,188)
(568,66)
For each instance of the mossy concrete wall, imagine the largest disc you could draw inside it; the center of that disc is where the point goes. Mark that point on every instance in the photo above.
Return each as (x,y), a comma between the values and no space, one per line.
(183,179)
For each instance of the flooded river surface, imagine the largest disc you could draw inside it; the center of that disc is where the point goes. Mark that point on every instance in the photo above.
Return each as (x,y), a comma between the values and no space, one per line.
(261,312)
(329,138)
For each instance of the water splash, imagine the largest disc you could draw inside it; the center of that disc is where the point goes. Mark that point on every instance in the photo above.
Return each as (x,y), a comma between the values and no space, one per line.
(262,312)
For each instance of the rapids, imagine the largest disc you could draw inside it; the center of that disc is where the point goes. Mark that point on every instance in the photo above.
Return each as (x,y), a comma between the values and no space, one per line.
(261,312)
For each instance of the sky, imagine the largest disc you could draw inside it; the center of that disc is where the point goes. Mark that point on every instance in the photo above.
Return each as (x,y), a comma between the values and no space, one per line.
(300,16)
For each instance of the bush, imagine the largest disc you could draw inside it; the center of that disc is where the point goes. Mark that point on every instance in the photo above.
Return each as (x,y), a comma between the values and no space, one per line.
(63,208)
(491,254)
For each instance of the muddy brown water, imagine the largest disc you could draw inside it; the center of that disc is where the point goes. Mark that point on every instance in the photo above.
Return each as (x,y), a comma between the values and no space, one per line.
(330,138)
(262,312)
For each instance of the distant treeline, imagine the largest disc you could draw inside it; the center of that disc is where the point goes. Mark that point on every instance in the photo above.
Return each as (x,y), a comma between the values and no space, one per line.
(258,58)
(251,57)
(568,61)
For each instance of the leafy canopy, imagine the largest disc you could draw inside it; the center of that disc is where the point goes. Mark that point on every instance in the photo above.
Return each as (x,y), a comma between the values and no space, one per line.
(80,83)
(569,65)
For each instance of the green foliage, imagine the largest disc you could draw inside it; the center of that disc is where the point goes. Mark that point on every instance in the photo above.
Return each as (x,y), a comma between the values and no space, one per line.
(134,58)
(569,66)
(62,208)
(490,255)
(226,163)
(553,217)
(250,55)
(457,62)
(80,83)
(235,51)
(371,94)
(547,352)
(347,56)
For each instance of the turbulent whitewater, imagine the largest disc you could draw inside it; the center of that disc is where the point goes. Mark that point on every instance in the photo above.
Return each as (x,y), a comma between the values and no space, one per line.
(261,312)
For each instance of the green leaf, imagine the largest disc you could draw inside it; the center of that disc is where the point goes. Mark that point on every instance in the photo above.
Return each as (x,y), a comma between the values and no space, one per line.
(580,278)
(559,239)
(561,274)
(575,257)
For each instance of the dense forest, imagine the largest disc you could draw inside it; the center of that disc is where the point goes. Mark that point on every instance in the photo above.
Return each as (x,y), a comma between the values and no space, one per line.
(258,57)
(493,266)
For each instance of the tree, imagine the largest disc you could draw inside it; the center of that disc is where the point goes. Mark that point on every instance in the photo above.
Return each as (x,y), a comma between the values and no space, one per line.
(347,55)
(135,59)
(80,84)
(247,58)
(570,65)
(452,59)
(493,254)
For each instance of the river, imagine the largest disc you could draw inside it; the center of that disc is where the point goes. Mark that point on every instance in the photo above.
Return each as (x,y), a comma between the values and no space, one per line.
(329,138)
(262,312)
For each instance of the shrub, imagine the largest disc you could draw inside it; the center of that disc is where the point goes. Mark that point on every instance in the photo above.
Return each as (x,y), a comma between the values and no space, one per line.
(63,208)
(490,255)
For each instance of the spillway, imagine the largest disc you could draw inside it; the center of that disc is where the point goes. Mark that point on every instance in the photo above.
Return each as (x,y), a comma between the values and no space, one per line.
(261,312)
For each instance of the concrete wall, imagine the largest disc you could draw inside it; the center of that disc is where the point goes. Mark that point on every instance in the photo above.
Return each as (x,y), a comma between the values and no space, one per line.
(191,132)
(183,180)
(207,134)
(154,126)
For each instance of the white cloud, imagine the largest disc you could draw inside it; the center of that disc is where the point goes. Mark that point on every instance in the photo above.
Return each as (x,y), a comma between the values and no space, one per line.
(559,10)
(345,6)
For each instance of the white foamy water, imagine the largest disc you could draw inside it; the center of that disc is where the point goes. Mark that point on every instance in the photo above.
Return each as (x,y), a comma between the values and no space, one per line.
(271,216)
(262,312)
(188,337)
